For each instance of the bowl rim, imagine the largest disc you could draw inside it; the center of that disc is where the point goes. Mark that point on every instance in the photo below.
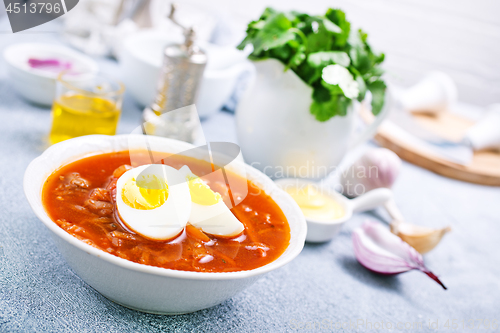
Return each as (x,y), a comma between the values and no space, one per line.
(153,37)
(33,190)
(93,68)
(70,84)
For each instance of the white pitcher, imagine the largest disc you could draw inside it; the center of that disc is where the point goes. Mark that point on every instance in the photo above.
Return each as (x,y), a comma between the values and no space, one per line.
(279,136)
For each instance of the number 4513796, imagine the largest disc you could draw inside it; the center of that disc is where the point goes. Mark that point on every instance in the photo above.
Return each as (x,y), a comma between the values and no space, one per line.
(471,324)
(34,8)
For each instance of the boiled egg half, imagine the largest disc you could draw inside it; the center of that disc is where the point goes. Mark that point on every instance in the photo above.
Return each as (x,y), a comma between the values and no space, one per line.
(154,201)
(157,201)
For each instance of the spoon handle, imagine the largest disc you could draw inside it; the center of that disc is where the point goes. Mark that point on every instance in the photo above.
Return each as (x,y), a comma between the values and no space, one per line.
(371,200)
(393,211)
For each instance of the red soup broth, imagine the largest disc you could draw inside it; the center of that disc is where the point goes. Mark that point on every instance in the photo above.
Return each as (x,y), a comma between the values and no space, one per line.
(79,198)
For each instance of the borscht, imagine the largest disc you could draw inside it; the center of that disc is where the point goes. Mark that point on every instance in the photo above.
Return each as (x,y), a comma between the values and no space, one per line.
(81,198)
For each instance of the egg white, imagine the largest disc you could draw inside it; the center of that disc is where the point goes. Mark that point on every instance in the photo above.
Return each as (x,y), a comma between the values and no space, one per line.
(164,222)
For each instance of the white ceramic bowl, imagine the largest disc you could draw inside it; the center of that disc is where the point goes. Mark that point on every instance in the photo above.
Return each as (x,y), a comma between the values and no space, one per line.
(322,231)
(141,287)
(36,85)
(141,59)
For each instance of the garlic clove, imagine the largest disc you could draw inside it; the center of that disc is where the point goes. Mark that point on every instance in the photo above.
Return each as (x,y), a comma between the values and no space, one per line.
(422,239)
(381,251)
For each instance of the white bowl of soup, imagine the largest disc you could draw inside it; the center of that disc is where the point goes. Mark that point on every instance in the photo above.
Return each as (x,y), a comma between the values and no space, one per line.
(70,189)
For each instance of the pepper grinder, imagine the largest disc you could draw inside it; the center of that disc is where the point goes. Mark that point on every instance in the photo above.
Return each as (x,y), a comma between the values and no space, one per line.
(172,113)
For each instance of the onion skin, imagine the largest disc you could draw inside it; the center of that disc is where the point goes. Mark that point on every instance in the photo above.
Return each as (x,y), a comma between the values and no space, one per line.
(382,252)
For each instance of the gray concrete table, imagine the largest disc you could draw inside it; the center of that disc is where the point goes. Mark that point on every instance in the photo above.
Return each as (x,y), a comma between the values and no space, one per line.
(322,289)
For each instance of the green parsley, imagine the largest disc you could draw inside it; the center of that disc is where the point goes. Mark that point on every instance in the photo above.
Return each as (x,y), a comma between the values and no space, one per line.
(308,44)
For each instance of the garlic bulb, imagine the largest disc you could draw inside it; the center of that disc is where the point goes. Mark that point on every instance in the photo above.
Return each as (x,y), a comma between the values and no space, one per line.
(380,251)
(378,167)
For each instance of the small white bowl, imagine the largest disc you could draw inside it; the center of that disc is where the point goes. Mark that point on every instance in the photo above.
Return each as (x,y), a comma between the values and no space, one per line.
(38,85)
(141,287)
(322,231)
(141,59)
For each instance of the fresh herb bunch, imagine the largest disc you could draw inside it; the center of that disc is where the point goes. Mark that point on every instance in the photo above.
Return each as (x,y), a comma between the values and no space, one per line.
(325,53)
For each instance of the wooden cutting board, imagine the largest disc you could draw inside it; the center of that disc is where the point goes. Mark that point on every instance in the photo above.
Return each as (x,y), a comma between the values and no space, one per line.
(484,168)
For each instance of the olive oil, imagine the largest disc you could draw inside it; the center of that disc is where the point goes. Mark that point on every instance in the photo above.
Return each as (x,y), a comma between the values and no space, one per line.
(76,115)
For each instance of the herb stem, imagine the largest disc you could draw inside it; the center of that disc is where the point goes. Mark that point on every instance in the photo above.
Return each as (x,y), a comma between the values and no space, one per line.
(304,41)
(302,36)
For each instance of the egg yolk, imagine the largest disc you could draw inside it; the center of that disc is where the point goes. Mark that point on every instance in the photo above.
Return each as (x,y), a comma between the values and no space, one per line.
(201,193)
(316,205)
(152,194)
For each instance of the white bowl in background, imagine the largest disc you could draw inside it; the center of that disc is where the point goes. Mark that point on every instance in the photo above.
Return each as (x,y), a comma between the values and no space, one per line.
(142,287)
(322,231)
(141,58)
(38,85)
